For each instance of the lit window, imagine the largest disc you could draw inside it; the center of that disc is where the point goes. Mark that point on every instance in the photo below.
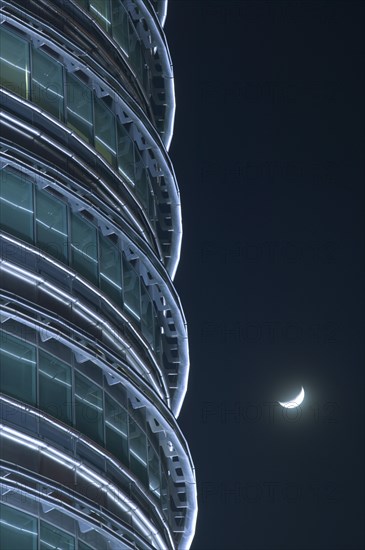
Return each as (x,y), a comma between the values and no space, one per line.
(16,205)
(110,269)
(18,368)
(51,223)
(84,247)
(14,63)
(47,83)
(55,387)
(105,138)
(79,108)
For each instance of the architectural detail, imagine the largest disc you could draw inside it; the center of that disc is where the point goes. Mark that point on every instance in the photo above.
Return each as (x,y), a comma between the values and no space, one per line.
(93,340)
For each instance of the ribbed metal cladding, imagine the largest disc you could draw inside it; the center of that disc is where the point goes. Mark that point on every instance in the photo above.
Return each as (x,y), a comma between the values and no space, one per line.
(94,353)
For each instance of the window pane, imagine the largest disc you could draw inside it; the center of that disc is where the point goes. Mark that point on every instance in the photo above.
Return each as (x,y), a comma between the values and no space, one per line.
(83,546)
(125,153)
(154,477)
(17,529)
(53,538)
(89,408)
(138,451)
(101,11)
(14,63)
(84,247)
(110,269)
(79,108)
(55,387)
(131,290)
(105,140)
(18,368)
(147,316)
(51,222)
(16,205)
(116,429)
(47,83)
(142,188)
(120,25)
(135,53)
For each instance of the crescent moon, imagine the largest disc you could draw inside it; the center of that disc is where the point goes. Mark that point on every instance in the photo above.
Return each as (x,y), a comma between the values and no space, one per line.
(294,402)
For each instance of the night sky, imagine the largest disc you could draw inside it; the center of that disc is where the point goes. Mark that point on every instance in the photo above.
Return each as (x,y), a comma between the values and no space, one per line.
(268,151)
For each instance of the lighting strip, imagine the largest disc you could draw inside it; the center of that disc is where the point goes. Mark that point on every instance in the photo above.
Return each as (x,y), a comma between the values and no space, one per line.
(114,493)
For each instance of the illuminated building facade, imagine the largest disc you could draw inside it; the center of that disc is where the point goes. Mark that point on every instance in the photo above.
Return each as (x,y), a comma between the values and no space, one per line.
(93,341)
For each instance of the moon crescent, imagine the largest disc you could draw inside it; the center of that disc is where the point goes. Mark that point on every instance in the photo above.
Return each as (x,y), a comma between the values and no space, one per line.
(294,402)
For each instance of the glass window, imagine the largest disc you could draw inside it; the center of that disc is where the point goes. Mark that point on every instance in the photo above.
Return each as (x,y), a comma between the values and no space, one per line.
(83,3)
(16,205)
(135,52)
(84,247)
(18,368)
(138,451)
(154,476)
(18,530)
(131,290)
(125,153)
(51,223)
(105,139)
(100,9)
(141,180)
(83,546)
(55,387)
(116,429)
(147,316)
(14,63)
(47,83)
(53,538)
(110,269)
(89,408)
(120,25)
(79,108)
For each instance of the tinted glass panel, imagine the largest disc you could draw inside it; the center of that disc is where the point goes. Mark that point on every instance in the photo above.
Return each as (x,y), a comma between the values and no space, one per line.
(101,11)
(105,139)
(141,179)
(147,316)
(52,538)
(138,451)
(131,290)
(89,406)
(125,153)
(16,205)
(55,387)
(120,25)
(154,471)
(116,429)
(18,368)
(17,529)
(14,63)
(51,224)
(47,83)
(84,247)
(79,108)
(135,52)
(110,269)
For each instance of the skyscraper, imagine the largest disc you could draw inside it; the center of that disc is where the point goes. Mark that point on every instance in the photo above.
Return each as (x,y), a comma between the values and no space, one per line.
(93,341)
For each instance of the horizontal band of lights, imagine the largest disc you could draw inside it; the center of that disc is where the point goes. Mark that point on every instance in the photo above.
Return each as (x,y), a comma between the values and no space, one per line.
(174,448)
(165,422)
(122,501)
(111,333)
(142,135)
(88,517)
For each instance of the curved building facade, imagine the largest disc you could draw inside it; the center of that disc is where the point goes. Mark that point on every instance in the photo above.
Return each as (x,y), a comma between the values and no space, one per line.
(93,340)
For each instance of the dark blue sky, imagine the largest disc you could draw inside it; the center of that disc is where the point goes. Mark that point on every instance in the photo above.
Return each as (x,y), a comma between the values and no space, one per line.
(268,152)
